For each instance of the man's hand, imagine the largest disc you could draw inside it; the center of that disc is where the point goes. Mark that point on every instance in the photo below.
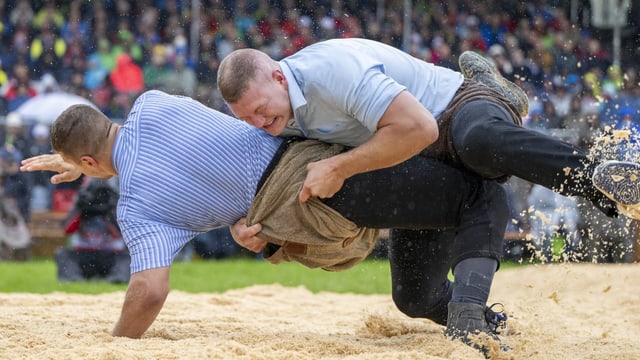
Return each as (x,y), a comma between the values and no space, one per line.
(323,180)
(245,235)
(52,162)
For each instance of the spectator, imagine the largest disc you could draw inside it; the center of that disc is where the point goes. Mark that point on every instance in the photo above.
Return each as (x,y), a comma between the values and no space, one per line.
(524,70)
(629,134)
(492,28)
(20,87)
(127,77)
(75,28)
(14,234)
(104,55)
(560,97)
(15,184)
(4,78)
(550,115)
(207,68)
(474,39)
(96,247)
(182,80)
(594,56)
(156,71)
(22,13)
(607,240)
(631,88)
(99,64)
(47,84)
(502,61)
(583,123)
(441,55)
(147,30)
(552,216)
(536,120)
(103,93)
(613,82)
(13,137)
(41,187)
(125,44)
(48,15)
(74,61)
(47,50)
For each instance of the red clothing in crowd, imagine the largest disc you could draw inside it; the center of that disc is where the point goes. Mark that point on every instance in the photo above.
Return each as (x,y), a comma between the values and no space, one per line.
(127,76)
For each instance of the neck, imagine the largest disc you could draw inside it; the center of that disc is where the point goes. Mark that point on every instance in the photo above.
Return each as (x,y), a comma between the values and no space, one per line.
(112,133)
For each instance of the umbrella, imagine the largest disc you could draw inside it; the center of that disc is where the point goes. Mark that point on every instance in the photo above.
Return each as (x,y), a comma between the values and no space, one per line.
(46,108)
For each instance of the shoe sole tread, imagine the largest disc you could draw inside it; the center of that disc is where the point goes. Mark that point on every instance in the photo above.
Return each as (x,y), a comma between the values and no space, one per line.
(619,181)
(473,64)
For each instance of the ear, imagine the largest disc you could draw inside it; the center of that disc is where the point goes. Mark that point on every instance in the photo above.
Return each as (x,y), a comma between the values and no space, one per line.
(279,77)
(88,160)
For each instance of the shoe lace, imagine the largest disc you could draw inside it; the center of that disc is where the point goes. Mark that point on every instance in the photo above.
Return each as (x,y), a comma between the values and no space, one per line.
(496,319)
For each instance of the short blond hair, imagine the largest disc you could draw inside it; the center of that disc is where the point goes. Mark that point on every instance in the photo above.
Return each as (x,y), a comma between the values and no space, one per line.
(237,70)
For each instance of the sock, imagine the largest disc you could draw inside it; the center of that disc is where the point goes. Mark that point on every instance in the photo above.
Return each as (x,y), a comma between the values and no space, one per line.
(472,280)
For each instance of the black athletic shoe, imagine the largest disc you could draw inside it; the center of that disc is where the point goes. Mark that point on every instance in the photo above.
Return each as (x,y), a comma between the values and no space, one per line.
(620,182)
(477,326)
(477,67)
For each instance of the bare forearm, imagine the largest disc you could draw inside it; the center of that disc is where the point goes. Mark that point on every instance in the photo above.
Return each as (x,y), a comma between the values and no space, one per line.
(143,301)
(136,318)
(380,152)
(405,129)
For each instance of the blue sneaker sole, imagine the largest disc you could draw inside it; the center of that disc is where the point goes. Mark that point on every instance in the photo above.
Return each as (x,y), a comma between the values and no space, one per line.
(619,181)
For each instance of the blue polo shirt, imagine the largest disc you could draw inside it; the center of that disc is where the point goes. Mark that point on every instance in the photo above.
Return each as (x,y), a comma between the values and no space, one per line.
(339,89)
(183,169)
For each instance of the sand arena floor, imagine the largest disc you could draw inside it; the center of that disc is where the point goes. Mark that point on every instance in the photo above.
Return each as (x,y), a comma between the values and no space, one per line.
(559,311)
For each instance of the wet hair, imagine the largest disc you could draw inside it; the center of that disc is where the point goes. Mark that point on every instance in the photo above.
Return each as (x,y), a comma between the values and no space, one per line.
(80,130)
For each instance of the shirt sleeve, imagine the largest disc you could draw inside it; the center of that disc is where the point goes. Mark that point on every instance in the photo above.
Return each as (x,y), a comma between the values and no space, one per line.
(152,245)
(361,89)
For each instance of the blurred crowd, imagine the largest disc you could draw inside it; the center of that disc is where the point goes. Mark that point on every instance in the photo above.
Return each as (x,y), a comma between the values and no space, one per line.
(109,51)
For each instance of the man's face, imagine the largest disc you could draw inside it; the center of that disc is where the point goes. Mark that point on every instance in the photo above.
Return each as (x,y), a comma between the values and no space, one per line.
(265,105)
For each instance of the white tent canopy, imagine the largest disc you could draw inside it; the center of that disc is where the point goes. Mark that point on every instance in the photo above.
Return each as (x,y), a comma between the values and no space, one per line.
(46,108)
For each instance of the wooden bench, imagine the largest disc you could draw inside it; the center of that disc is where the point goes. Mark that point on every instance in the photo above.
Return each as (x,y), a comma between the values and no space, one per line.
(47,232)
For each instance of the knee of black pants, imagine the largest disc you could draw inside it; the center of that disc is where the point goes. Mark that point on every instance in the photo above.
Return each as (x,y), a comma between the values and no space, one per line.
(420,261)
(431,304)
(483,224)
(475,131)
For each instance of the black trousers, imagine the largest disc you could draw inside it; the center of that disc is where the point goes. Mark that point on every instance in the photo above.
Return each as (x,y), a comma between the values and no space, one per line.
(489,144)
(423,193)
(439,215)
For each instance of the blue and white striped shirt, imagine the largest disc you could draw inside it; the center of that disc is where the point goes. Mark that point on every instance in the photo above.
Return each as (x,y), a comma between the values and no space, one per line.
(183,169)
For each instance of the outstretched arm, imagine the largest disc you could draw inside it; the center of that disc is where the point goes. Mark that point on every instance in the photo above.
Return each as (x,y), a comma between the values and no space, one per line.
(145,297)
(66,172)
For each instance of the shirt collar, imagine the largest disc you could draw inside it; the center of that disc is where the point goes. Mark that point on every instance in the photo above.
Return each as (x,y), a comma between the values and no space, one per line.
(296,97)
